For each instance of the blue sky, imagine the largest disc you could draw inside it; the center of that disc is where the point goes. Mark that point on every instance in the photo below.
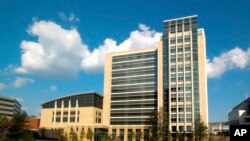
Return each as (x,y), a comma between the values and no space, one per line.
(85,30)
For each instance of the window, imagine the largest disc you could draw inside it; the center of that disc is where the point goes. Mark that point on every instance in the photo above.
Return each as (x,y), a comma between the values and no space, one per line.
(179,39)
(180,49)
(181,118)
(172,40)
(172,28)
(188,67)
(181,128)
(173,49)
(65,119)
(189,119)
(181,108)
(180,77)
(187,48)
(188,76)
(173,77)
(188,97)
(180,88)
(181,97)
(180,68)
(173,68)
(187,56)
(72,119)
(180,57)
(173,108)
(179,27)
(173,58)
(173,118)
(173,88)
(65,113)
(58,119)
(186,26)
(173,97)
(188,108)
(188,87)
(187,38)
(189,128)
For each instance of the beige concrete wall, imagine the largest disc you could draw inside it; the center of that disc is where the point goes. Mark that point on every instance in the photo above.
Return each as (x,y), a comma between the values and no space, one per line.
(87,115)
(160,76)
(107,88)
(202,75)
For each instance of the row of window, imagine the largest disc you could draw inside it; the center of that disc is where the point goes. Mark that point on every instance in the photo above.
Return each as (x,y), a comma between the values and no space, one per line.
(180,49)
(179,27)
(180,88)
(181,97)
(180,39)
(181,118)
(181,77)
(180,68)
(180,57)
(182,129)
(130,134)
(66,113)
(181,108)
(65,119)
(137,56)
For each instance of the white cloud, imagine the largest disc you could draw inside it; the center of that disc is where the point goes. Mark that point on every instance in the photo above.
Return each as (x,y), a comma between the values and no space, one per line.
(70,18)
(21,81)
(53,88)
(2,86)
(18,99)
(232,59)
(60,52)
(141,38)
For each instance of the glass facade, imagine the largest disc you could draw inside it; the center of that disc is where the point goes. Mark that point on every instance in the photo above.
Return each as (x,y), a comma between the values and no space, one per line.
(84,100)
(134,88)
(181,66)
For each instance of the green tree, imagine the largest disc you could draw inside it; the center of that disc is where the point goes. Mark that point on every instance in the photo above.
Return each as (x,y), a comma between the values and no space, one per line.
(18,122)
(4,124)
(73,135)
(200,130)
(158,125)
(59,133)
(82,134)
(65,137)
(27,136)
(90,134)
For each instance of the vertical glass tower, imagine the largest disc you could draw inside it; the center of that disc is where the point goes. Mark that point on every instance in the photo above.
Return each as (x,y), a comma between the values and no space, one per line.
(184,73)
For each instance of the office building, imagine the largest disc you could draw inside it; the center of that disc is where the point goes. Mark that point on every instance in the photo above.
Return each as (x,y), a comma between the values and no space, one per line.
(74,112)
(240,114)
(184,73)
(170,76)
(9,106)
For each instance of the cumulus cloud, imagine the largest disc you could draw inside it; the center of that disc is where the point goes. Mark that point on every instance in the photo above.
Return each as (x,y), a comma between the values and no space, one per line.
(232,59)
(2,86)
(70,18)
(141,38)
(60,52)
(21,81)
(53,88)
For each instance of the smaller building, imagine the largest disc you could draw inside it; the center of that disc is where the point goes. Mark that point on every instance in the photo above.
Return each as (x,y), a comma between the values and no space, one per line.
(240,114)
(32,123)
(9,106)
(77,112)
(219,128)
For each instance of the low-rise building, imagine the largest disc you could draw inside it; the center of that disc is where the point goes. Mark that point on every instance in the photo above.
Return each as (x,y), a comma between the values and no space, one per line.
(77,112)
(240,114)
(32,123)
(9,106)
